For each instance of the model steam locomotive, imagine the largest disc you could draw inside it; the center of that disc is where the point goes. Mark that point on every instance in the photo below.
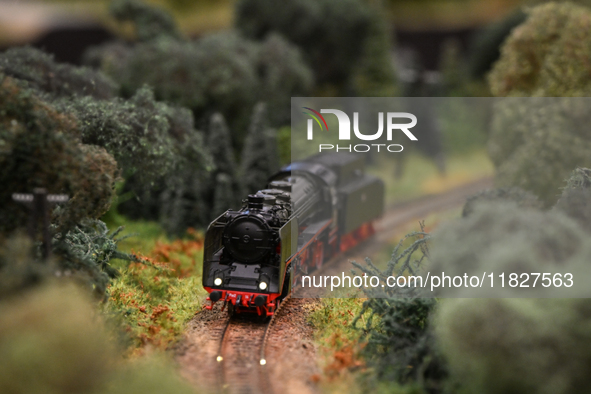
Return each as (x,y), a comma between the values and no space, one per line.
(311,210)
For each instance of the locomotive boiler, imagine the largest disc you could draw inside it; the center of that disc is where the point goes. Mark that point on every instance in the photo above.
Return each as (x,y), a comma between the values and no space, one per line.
(310,211)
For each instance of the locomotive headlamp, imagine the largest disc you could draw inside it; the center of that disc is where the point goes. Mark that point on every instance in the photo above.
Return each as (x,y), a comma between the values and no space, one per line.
(217,281)
(263,285)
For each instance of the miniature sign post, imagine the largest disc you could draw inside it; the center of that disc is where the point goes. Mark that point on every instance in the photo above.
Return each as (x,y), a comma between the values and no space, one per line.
(38,203)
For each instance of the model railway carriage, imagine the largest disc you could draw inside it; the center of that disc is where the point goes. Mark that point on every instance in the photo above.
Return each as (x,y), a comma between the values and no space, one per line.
(310,211)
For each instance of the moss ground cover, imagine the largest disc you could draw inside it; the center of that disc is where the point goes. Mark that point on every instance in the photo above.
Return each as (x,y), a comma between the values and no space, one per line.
(155,301)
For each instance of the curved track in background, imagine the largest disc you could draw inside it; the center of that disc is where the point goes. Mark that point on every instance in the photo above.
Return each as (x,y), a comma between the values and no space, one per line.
(398,216)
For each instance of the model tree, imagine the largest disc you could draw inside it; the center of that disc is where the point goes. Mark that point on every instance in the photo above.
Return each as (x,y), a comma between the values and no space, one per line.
(346,42)
(260,158)
(222,72)
(41,149)
(535,144)
(224,179)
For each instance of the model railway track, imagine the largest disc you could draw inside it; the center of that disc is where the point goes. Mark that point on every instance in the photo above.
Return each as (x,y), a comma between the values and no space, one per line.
(400,215)
(241,354)
(240,343)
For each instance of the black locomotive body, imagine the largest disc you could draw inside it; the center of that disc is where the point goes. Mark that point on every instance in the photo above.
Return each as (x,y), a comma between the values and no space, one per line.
(310,211)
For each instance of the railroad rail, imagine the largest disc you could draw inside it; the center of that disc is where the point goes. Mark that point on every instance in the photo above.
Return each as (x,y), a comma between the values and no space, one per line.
(241,343)
(242,339)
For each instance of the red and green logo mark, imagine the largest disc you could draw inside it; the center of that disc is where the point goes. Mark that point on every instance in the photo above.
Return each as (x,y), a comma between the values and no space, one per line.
(316,117)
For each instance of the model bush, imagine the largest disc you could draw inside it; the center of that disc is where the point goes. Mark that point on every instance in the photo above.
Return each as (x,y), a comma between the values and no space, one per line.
(283,74)
(43,73)
(149,21)
(547,54)
(524,345)
(400,342)
(55,342)
(66,141)
(157,149)
(520,197)
(40,148)
(514,345)
(535,143)
(504,237)
(145,136)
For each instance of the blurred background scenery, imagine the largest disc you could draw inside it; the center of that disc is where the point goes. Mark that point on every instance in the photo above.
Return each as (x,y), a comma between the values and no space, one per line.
(153,117)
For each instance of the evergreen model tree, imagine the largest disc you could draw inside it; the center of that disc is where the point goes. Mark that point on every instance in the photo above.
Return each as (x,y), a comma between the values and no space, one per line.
(260,156)
(224,197)
(220,145)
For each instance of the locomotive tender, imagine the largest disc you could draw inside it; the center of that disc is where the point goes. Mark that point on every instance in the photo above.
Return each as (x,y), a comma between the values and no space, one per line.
(310,211)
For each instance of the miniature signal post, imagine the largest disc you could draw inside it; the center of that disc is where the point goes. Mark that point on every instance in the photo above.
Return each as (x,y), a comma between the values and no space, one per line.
(38,203)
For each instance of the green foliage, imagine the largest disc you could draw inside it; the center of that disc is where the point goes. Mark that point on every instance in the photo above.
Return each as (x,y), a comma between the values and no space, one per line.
(47,145)
(88,250)
(513,345)
(575,200)
(39,147)
(259,157)
(374,75)
(402,348)
(518,196)
(85,253)
(283,75)
(40,72)
(516,345)
(149,21)
(54,335)
(220,145)
(580,178)
(547,55)
(221,72)
(535,143)
(345,42)
(213,74)
(224,181)
(224,197)
(145,136)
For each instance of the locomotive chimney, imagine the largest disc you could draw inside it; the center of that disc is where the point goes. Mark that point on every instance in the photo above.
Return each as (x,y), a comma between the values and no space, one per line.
(255,202)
